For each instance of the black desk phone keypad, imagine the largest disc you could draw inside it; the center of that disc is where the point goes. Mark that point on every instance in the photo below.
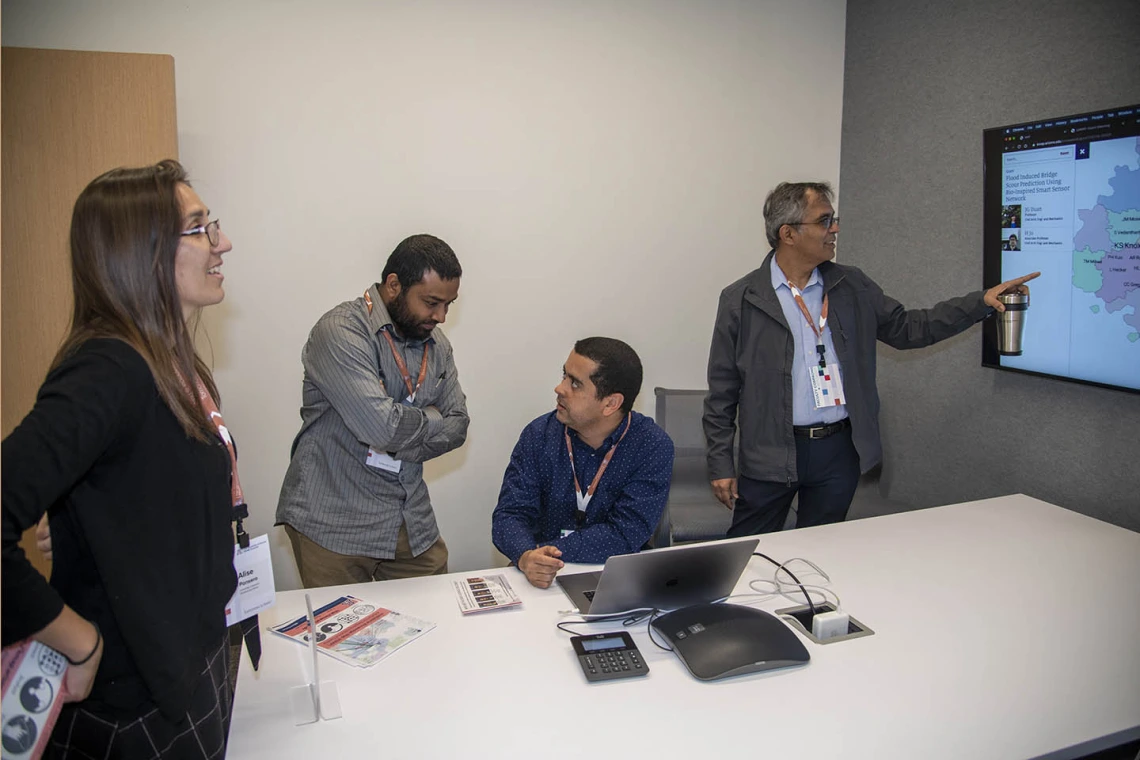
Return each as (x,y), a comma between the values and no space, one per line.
(606,656)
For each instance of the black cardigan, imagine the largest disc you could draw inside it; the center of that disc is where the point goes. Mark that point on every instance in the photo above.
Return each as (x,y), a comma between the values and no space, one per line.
(140,523)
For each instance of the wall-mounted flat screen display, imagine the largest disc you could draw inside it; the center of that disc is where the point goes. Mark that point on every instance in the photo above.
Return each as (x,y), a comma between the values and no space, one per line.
(1062,196)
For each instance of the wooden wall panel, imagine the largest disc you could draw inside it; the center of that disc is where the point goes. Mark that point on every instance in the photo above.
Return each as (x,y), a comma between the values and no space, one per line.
(68,116)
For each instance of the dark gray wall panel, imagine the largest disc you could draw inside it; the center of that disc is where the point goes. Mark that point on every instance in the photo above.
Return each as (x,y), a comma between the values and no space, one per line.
(922,81)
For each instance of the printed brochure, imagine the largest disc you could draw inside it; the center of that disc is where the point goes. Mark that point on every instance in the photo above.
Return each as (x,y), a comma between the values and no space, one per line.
(355,631)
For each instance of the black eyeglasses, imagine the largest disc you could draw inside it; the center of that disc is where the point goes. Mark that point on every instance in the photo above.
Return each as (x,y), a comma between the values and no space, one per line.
(212,230)
(826,222)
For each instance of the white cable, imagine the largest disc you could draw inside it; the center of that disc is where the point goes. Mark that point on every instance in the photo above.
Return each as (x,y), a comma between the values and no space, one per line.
(823,590)
(818,570)
(791,590)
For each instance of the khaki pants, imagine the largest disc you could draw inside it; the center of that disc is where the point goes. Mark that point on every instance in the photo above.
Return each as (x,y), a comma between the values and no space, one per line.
(320,567)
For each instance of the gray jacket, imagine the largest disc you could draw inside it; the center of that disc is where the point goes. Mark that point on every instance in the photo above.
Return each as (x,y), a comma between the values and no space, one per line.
(750,365)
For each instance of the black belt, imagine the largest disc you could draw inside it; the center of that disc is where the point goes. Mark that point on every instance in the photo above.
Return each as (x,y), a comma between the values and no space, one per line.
(822,431)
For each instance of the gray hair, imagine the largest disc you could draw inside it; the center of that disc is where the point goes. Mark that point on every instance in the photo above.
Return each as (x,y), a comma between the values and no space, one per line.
(788,203)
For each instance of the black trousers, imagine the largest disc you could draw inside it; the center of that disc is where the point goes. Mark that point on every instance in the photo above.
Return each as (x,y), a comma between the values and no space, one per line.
(828,470)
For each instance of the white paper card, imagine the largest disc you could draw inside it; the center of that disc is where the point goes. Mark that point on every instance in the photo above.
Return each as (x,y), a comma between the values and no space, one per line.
(382,461)
(485,592)
(255,590)
(826,386)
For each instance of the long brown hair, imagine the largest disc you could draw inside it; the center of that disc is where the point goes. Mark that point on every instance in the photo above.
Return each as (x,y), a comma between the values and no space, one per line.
(125,232)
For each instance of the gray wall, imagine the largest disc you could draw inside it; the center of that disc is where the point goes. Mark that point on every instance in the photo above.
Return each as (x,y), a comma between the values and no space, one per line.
(922,80)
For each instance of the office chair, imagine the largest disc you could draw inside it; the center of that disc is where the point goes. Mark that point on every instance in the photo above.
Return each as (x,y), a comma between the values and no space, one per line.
(692,513)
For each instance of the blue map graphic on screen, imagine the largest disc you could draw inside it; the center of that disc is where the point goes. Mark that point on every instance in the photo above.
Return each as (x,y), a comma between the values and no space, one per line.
(1125,190)
(1107,247)
(1068,205)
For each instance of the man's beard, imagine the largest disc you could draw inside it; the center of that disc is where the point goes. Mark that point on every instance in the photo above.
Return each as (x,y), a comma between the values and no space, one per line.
(404,320)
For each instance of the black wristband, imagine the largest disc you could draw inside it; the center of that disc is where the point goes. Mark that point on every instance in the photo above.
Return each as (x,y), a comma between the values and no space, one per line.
(98,641)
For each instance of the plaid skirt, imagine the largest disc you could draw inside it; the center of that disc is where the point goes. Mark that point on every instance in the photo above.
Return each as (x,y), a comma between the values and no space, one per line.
(201,733)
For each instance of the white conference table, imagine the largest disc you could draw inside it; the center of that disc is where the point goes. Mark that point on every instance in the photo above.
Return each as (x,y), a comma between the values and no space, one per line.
(1004,628)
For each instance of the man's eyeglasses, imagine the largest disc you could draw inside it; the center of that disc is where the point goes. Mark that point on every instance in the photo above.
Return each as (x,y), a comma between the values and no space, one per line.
(825,222)
(212,231)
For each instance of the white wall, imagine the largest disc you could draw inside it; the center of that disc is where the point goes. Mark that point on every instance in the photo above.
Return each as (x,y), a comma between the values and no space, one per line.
(598,167)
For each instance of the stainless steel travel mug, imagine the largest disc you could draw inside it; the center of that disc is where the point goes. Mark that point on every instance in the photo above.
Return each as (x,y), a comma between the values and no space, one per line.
(1011,323)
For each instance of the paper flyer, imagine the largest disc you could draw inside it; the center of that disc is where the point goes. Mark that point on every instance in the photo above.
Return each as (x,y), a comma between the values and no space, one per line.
(484,593)
(355,631)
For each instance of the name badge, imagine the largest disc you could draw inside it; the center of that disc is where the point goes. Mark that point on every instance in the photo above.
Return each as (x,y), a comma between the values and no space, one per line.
(382,461)
(826,386)
(255,590)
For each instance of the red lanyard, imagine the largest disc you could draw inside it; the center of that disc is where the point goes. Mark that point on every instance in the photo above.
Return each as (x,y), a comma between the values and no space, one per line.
(404,367)
(211,410)
(601,468)
(400,360)
(807,315)
(819,347)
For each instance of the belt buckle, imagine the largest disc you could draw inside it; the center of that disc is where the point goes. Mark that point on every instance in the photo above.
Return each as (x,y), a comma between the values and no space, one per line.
(821,430)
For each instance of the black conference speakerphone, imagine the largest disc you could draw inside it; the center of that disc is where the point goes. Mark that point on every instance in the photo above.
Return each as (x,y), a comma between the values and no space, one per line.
(606,656)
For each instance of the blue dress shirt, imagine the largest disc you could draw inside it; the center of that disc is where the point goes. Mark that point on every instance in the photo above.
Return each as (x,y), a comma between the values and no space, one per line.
(536,502)
(805,358)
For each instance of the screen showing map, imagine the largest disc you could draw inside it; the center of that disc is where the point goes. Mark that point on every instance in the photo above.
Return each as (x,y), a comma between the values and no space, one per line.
(1062,196)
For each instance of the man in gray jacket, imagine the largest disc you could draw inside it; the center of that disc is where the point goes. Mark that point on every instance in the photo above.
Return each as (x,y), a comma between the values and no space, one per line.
(792,363)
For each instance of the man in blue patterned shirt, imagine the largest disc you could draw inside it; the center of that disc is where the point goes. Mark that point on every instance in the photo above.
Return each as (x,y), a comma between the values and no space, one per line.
(589,479)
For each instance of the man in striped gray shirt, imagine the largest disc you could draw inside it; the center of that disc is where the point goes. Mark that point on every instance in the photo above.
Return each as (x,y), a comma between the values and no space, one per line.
(380,397)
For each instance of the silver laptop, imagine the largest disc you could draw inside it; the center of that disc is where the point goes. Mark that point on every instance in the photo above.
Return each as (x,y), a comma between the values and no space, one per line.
(665,579)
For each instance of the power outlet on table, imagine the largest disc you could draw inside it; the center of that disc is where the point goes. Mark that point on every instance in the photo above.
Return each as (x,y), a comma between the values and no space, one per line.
(801,619)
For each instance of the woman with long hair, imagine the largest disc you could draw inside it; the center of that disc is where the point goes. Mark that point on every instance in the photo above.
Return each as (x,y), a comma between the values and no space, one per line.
(125,452)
